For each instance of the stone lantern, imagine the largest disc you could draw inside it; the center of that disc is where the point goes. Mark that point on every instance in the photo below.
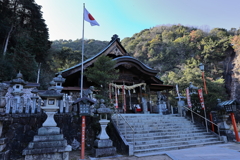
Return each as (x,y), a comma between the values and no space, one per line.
(230,106)
(51,97)
(49,143)
(59,80)
(17,85)
(103,145)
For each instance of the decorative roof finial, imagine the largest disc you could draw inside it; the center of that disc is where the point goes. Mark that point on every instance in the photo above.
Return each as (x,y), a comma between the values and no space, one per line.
(115,37)
(19,75)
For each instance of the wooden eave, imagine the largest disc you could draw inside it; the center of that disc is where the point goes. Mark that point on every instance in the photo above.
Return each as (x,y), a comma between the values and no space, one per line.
(160,87)
(130,62)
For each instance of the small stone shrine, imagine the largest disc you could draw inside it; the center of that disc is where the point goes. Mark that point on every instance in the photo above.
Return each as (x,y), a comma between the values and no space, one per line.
(103,146)
(49,143)
(17,92)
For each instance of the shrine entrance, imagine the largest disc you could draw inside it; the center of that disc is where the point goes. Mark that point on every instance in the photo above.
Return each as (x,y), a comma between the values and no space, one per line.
(136,98)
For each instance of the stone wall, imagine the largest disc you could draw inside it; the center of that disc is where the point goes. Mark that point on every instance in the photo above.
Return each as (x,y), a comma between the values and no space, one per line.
(19,129)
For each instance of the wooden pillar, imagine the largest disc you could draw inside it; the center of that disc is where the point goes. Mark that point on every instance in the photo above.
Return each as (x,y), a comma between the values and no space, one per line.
(235,127)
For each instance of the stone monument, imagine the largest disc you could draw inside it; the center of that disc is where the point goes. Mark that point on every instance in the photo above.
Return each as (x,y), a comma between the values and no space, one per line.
(3,90)
(103,146)
(161,104)
(181,104)
(49,143)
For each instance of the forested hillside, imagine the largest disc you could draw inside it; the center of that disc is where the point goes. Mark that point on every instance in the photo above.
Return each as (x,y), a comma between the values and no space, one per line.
(176,51)
(67,53)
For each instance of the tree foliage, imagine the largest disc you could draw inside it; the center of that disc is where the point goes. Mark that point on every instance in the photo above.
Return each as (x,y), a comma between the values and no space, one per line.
(23,38)
(102,73)
(177,50)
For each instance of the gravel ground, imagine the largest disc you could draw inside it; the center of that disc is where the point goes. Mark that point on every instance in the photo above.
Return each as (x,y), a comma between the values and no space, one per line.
(75,155)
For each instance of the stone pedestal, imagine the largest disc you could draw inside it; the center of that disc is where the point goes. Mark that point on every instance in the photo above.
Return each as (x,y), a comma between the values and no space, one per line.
(225,128)
(103,148)
(4,155)
(103,145)
(48,144)
(103,134)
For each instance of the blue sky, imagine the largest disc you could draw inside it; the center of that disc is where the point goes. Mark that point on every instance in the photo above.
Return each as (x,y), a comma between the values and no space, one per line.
(64,18)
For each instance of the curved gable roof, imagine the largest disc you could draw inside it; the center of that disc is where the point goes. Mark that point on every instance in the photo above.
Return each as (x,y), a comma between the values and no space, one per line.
(76,68)
(134,60)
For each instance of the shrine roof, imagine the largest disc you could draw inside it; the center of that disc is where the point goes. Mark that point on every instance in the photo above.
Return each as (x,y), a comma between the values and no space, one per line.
(114,39)
(229,102)
(136,61)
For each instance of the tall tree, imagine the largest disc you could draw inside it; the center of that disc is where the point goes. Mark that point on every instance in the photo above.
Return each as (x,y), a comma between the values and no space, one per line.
(23,37)
(102,73)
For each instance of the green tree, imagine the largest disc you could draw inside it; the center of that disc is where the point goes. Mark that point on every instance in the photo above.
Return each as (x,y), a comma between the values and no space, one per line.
(101,74)
(191,73)
(23,37)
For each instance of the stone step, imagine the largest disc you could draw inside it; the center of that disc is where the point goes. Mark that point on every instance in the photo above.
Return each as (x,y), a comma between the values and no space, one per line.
(157,127)
(153,119)
(145,123)
(156,119)
(163,132)
(132,123)
(155,151)
(38,138)
(150,115)
(169,131)
(171,138)
(170,144)
(186,134)
(47,144)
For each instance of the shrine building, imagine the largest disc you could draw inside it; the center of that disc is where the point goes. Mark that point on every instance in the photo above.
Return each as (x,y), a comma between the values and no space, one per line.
(136,88)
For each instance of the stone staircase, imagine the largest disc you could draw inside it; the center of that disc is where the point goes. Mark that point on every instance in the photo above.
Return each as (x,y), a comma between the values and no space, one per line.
(158,133)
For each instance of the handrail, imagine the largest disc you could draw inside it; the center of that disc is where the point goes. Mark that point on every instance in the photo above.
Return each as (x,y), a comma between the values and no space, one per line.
(119,115)
(204,119)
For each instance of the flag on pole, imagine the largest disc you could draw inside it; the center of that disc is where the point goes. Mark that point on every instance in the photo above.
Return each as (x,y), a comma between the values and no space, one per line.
(188,98)
(200,94)
(89,18)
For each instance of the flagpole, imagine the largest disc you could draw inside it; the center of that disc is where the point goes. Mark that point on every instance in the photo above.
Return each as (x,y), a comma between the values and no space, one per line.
(83,117)
(81,91)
